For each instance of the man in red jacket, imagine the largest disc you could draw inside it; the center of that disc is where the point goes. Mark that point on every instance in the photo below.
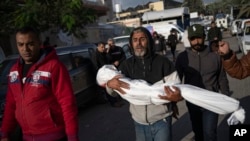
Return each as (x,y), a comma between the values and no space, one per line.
(40,96)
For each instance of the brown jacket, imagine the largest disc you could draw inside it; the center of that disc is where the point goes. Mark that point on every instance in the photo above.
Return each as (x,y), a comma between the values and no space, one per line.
(237,68)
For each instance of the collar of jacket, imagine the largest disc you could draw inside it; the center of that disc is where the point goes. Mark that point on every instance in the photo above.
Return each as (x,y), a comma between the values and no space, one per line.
(201,53)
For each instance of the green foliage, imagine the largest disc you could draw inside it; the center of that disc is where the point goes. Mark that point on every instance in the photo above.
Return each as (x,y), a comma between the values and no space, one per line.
(194,5)
(224,6)
(245,8)
(68,15)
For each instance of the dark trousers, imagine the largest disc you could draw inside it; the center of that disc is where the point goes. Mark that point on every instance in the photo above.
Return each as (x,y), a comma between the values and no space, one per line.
(204,123)
(112,100)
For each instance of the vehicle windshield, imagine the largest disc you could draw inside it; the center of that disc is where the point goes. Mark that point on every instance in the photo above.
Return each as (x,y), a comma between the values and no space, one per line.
(220,16)
(4,71)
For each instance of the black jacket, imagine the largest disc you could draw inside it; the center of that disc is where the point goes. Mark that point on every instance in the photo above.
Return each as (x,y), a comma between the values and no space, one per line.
(214,32)
(116,54)
(172,40)
(152,68)
(101,59)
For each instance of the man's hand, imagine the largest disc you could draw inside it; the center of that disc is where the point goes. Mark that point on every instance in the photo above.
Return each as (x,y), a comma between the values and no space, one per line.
(223,48)
(172,95)
(116,63)
(116,84)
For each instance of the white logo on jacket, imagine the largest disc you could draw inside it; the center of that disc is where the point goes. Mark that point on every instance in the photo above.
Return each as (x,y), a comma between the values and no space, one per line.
(36,76)
(13,76)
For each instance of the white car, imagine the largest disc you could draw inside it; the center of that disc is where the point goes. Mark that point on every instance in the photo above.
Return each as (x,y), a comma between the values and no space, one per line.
(245,40)
(234,27)
(121,40)
(164,29)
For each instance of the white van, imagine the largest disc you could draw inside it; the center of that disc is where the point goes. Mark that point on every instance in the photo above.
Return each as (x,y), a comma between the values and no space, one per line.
(221,21)
(242,25)
(164,29)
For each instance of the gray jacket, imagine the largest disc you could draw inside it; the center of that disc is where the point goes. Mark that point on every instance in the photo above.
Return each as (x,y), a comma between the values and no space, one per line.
(203,69)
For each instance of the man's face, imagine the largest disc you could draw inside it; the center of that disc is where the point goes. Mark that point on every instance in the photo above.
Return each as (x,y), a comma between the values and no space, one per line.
(139,44)
(213,25)
(111,43)
(101,48)
(196,43)
(28,46)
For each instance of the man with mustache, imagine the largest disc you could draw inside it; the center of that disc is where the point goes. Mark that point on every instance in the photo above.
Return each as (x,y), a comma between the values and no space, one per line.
(201,67)
(152,122)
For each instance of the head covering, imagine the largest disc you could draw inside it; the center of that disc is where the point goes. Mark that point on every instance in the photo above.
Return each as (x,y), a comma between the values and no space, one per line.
(150,39)
(172,30)
(196,30)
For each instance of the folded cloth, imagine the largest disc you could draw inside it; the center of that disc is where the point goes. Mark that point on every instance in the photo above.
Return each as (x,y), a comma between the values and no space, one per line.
(143,93)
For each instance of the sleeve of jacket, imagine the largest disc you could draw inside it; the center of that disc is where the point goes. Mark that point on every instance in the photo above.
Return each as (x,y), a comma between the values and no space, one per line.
(62,88)
(123,55)
(237,68)
(179,66)
(209,38)
(9,122)
(223,81)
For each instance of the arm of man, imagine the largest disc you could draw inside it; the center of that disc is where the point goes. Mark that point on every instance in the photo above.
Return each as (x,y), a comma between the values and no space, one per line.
(62,89)
(237,68)
(123,56)
(117,84)
(9,122)
(223,81)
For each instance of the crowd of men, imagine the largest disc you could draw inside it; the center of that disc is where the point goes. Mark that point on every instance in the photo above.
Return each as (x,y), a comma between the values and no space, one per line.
(46,110)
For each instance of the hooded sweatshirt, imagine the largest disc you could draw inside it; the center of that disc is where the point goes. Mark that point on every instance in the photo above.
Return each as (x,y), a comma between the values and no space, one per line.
(151,68)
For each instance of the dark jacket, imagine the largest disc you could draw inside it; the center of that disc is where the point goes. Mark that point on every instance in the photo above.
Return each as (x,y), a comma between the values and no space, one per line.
(237,68)
(101,59)
(214,32)
(116,54)
(203,69)
(172,40)
(159,44)
(151,68)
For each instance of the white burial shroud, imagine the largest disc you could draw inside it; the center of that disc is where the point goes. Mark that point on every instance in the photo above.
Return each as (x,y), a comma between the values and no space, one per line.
(143,93)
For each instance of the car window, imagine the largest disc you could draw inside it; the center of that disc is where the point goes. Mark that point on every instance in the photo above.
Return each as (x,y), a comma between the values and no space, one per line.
(84,54)
(119,40)
(66,60)
(4,70)
(247,31)
(80,60)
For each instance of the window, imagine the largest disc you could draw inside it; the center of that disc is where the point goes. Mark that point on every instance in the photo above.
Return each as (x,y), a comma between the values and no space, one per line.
(4,70)
(66,60)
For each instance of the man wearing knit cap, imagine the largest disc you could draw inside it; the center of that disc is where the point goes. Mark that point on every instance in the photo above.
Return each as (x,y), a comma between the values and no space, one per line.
(201,67)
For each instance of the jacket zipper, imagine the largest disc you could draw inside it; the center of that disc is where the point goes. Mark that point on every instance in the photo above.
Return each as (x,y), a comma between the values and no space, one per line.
(199,62)
(144,75)
(23,84)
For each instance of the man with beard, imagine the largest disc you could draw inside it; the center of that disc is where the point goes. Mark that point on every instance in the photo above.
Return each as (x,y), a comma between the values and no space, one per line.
(202,68)
(152,122)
